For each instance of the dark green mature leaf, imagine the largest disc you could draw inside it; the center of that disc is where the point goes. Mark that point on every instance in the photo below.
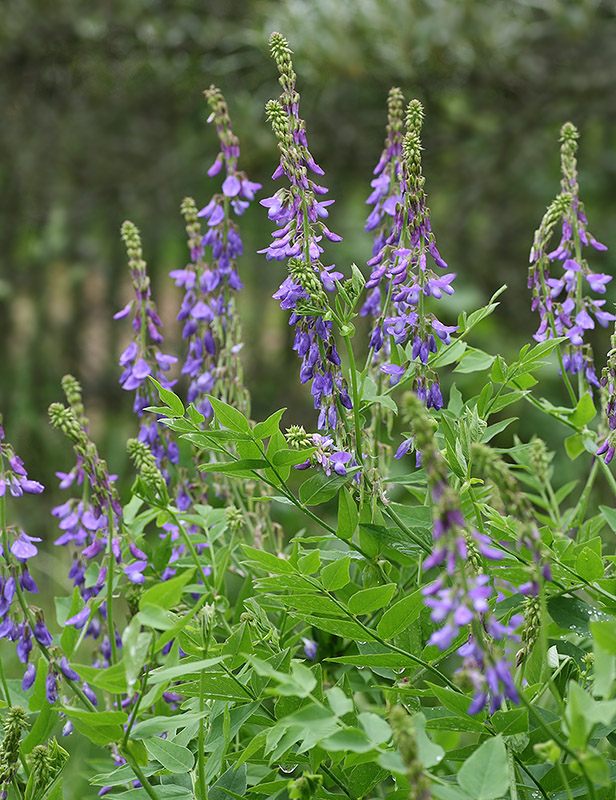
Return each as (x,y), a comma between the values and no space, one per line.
(244,468)
(348,514)
(267,561)
(290,458)
(320,488)
(170,398)
(402,614)
(573,614)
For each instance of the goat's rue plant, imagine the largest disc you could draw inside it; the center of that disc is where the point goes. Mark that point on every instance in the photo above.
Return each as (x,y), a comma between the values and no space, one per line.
(436,618)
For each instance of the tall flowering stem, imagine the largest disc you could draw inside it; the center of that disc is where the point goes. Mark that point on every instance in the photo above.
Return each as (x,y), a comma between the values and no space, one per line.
(212,327)
(300,211)
(403,266)
(564,308)
(99,537)
(16,549)
(459,597)
(386,195)
(143,357)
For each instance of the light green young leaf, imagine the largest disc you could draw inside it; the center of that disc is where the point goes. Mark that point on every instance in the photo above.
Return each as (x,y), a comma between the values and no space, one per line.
(336,575)
(172,756)
(485,774)
(367,600)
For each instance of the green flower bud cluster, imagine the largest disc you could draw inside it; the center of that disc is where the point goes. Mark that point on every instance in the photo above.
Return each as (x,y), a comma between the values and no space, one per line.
(540,458)
(235,518)
(406,741)
(220,116)
(558,208)
(72,391)
(46,763)
(66,420)
(14,725)
(143,459)
(297,437)
(188,209)
(136,264)
(305,787)
(568,162)
(512,500)
(281,53)
(309,280)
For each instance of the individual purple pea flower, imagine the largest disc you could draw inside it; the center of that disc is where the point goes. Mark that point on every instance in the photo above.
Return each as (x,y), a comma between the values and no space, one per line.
(310,649)
(29,677)
(80,618)
(134,571)
(67,670)
(41,634)
(89,693)
(23,549)
(51,688)
(67,728)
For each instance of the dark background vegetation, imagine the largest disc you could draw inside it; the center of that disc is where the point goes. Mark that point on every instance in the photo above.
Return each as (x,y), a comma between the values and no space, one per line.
(103,120)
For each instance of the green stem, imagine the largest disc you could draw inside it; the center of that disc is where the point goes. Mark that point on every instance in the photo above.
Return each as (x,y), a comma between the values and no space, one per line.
(563,746)
(149,789)
(608,474)
(513,789)
(403,527)
(563,777)
(353,370)
(580,509)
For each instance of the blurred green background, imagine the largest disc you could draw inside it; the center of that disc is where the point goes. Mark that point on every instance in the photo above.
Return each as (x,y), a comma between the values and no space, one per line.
(104,120)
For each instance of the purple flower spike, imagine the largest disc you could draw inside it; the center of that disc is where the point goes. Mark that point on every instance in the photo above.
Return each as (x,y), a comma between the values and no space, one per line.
(23,549)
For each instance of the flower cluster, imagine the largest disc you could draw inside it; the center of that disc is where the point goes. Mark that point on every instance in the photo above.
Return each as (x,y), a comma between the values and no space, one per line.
(300,211)
(211,324)
(401,265)
(385,196)
(564,309)
(459,597)
(326,454)
(17,624)
(143,357)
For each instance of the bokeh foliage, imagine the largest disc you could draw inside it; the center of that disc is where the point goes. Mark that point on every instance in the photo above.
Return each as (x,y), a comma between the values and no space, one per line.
(104,120)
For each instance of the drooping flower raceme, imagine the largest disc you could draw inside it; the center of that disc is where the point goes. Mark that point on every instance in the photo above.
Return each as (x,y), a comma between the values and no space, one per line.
(211,325)
(16,549)
(143,357)
(561,300)
(402,269)
(299,210)
(385,196)
(459,598)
